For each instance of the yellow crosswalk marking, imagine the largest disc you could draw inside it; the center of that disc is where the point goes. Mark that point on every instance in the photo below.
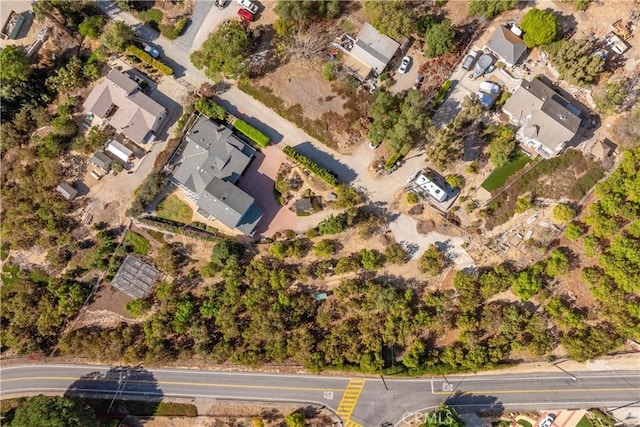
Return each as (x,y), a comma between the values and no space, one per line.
(349,401)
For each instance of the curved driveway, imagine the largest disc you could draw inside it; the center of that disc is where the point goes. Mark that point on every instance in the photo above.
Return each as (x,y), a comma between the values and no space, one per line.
(376,402)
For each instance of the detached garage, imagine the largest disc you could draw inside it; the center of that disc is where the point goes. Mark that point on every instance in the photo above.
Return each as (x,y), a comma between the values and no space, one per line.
(120,151)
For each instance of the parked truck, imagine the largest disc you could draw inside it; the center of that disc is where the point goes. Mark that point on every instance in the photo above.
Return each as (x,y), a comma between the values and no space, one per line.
(248,5)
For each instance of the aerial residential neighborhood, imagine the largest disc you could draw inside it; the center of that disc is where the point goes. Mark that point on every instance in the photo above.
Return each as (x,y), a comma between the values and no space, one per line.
(320,213)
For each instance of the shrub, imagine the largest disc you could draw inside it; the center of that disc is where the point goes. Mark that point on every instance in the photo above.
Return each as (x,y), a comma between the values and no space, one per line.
(324,248)
(412,198)
(395,254)
(91,27)
(370,259)
(524,203)
(145,57)
(540,27)
(591,245)
(138,307)
(312,166)
(563,213)
(432,261)
(172,31)
(573,231)
(455,180)
(252,133)
(329,71)
(210,108)
(332,225)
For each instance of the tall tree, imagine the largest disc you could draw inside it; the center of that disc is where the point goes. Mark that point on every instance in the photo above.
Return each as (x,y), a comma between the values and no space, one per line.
(393,18)
(117,36)
(491,8)
(224,52)
(15,70)
(540,27)
(439,39)
(575,61)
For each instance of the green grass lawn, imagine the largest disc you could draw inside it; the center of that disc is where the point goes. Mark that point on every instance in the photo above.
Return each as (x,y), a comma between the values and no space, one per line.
(500,175)
(584,422)
(174,209)
(139,244)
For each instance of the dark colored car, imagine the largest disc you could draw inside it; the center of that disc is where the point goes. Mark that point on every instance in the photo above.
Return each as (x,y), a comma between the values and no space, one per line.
(245,14)
(469,60)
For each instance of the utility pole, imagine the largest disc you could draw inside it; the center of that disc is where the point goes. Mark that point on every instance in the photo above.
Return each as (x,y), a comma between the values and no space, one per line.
(573,377)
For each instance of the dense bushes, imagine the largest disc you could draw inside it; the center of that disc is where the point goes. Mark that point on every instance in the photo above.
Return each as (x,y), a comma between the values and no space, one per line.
(173,31)
(322,173)
(148,190)
(252,133)
(210,108)
(145,57)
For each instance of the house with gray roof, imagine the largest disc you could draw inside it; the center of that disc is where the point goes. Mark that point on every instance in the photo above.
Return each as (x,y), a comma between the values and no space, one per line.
(135,277)
(547,120)
(371,51)
(207,166)
(67,191)
(507,44)
(102,161)
(121,104)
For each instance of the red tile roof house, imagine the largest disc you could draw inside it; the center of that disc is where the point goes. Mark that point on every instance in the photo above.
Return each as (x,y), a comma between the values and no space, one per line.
(121,104)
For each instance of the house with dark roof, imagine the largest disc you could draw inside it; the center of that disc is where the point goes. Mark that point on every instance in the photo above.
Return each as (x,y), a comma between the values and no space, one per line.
(121,104)
(102,161)
(507,44)
(207,167)
(547,120)
(371,51)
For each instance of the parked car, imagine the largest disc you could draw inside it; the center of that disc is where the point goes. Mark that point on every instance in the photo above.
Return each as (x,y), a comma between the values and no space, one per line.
(404,65)
(249,5)
(245,14)
(469,60)
(547,421)
(220,4)
(151,51)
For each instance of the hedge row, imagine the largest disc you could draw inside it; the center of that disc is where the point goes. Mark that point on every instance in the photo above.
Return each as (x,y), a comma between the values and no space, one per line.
(178,228)
(210,109)
(252,133)
(324,174)
(145,57)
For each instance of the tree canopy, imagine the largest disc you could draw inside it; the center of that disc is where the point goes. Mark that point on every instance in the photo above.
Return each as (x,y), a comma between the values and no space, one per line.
(307,10)
(439,39)
(54,411)
(491,8)
(393,17)
(224,52)
(575,61)
(539,26)
(15,70)
(117,36)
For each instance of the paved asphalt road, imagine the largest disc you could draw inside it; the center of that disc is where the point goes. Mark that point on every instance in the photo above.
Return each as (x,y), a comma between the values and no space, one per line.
(374,406)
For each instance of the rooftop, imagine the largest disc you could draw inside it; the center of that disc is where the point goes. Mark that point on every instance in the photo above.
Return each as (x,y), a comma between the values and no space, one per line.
(135,277)
(506,45)
(374,48)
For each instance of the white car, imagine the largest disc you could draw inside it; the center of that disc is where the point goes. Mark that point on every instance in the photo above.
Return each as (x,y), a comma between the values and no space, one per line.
(404,65)
(489,87)
(249,5)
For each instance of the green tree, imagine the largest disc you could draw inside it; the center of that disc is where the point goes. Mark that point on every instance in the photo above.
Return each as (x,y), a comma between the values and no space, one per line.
(455,180)
(370,259)
(528,282)
(395,254)
(491,8)
(54,411)
(573,231)
(416,351)
(138,307)
(524,203)
(91,27)
(440,39)
(539,26)
(68,77)
(443,416)
(563,213)
(15,71)
(324,248)
(557,264)
(575,61)
(432,261)
(307,10)
(610,97)
(224,52)
(117,36)
(393,18)
(502,144)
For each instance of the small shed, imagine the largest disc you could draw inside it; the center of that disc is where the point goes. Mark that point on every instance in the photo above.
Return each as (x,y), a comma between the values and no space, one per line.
(102,161)
(603,149)
(135,277)
(304,205)
(120,151)
(67,191)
